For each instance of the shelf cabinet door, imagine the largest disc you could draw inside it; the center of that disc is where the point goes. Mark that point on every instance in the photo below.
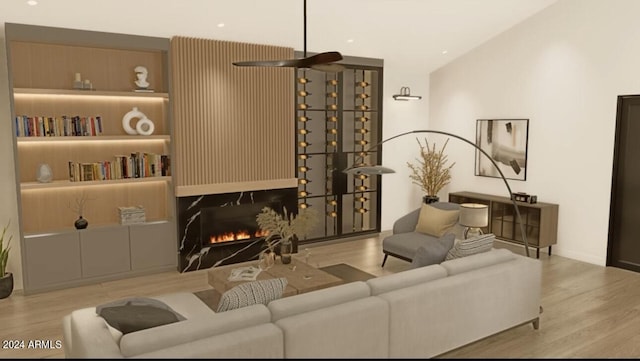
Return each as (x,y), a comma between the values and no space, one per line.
(52,259)
(105,251)
(153,245)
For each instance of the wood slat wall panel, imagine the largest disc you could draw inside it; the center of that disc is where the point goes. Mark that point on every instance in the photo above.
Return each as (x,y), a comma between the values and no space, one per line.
(231,124)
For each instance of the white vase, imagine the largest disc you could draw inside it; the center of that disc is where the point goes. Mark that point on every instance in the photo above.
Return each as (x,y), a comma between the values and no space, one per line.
(44,173)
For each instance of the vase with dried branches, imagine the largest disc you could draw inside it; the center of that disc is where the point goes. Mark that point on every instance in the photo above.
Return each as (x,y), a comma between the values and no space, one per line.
(431,171)
(281,228)
(78,208)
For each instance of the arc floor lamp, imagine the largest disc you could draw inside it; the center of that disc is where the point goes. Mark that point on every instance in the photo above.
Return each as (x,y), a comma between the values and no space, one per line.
(362,168)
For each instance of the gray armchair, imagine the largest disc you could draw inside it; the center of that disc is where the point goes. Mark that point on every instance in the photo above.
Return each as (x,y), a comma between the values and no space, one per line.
(405,241)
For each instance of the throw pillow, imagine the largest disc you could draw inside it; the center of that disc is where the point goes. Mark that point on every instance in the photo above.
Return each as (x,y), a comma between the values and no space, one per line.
(436,222)
(473,245)
(135,314)
(251,293)
(434,252)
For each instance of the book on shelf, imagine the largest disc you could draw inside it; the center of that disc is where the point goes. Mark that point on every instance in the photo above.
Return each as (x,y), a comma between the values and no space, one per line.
(87,172)
(134,165)
(40,126)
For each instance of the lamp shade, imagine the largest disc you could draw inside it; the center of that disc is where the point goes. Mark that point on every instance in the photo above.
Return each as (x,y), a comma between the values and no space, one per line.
(474,215)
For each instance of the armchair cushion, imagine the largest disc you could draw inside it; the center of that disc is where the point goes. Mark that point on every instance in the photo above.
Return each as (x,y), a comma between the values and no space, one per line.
(434,252)
(436,222)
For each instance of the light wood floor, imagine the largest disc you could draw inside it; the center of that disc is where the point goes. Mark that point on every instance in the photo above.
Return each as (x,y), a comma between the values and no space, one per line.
(589,311)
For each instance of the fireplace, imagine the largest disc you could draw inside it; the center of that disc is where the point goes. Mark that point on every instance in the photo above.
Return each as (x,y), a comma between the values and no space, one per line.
(220,229)
(232,223)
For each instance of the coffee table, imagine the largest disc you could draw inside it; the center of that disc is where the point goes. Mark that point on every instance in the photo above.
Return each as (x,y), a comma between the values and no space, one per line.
(300,276)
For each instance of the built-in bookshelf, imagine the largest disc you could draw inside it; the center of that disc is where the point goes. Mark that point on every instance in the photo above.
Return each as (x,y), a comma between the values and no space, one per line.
(79,134)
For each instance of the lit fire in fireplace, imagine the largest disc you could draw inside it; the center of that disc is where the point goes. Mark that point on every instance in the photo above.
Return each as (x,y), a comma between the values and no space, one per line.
(236,236)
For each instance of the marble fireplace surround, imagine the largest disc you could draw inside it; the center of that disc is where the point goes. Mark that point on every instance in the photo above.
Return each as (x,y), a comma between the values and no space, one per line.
(196,253)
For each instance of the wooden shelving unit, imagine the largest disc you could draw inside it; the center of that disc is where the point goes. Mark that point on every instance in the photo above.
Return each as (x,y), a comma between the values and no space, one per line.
(43,62)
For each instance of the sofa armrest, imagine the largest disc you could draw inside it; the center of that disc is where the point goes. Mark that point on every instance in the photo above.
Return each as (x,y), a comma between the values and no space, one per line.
(406,223)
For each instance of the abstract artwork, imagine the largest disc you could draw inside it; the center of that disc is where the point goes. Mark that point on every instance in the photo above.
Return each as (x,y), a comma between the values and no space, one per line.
(506,141)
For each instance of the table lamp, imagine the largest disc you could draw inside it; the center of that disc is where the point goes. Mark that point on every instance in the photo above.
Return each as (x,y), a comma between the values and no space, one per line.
(473,216)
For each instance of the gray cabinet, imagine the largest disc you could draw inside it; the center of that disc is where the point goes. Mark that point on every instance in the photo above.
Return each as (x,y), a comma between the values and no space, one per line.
(153,245)
(73,258)
(52,259)
(104,251)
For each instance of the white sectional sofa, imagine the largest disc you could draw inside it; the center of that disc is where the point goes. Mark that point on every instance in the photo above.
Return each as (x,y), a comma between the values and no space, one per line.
(417,313)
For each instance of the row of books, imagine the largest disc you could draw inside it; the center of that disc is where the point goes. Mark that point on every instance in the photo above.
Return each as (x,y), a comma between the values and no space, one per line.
(63,126)
(136,165)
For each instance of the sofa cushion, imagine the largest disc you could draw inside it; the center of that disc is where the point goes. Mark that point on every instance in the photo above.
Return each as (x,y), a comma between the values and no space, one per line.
(476,261)
(470,246)
(153,339)
(138,313)
(433,253)
(436,222)
(251,293)
(412,277)
(314,300)
(354,329)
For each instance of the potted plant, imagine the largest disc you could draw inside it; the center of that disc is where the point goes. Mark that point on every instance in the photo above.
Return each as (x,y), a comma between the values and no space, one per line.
(6,278)
(282,228)
(431,172)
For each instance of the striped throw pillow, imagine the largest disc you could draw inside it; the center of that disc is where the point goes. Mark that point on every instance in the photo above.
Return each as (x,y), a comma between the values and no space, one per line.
(473,245)
(252,293)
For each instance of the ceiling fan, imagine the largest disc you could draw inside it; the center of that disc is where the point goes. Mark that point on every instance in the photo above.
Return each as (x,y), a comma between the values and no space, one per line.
(321,61)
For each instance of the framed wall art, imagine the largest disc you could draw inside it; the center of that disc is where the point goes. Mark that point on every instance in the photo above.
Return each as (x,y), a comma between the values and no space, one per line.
(506,141)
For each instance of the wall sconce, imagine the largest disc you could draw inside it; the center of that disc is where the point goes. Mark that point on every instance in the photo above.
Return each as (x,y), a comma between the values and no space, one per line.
(405,94)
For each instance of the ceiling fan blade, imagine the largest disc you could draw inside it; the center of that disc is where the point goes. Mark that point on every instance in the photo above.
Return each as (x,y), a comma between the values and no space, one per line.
(321,58)
(319,61)
(286,63)
(329,68)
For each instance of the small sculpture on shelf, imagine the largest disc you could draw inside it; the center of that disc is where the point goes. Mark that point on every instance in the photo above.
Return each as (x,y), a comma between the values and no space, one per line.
(144,126)
(44,173)
(79,84)
(142,85)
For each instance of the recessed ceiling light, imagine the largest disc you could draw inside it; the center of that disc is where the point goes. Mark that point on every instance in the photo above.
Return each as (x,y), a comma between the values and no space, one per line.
(350,40)
(221,25)
(32,2)
(444,52)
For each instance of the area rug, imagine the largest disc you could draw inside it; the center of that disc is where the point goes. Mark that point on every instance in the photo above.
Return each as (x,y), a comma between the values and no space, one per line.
(347,272)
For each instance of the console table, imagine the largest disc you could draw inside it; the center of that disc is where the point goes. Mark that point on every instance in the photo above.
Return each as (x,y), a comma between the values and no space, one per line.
(540,219)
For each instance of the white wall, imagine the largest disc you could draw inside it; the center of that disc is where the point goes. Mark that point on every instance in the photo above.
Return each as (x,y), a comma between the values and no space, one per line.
(563,69)
(399,196)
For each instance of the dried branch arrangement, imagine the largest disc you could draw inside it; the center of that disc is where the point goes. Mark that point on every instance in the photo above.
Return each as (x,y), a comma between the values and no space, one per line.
(284,226)
(431,172)
(78,206)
